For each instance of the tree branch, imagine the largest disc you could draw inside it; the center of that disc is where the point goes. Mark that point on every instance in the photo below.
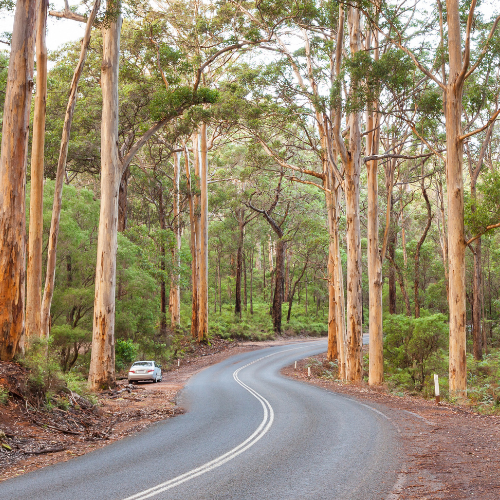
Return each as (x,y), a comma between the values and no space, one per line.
(269,219)
(487,228)
(280,161)
(211,59)
(404,157)
(485,48)
(138,145)
(296,179)
(466,62)
(474,132)
(68,14)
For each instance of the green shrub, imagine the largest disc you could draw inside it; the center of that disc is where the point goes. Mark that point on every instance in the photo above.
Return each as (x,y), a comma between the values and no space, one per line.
(409,346)
(483,381)
(45,372)
(125,353)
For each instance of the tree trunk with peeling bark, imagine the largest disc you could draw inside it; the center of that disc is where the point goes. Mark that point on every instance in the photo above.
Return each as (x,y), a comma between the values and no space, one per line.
(454,181)
(354,371)
(102,363)
(203,299)
(335,342)
(352,166)
(376,347)
(13,160)
(194,243)
(35,241)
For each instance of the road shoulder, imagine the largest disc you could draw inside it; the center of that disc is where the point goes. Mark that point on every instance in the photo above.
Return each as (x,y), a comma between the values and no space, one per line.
(451,452)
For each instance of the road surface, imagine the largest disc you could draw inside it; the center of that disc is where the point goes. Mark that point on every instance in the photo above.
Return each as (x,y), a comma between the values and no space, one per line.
(249,433)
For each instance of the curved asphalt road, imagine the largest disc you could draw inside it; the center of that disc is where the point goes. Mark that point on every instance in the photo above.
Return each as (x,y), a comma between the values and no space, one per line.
(249,434)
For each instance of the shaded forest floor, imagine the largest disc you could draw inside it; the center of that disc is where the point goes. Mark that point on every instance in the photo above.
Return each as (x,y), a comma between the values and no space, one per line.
(450,452)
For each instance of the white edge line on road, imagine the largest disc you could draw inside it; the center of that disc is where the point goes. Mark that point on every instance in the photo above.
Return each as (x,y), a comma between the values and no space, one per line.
(375,410)
(261,430)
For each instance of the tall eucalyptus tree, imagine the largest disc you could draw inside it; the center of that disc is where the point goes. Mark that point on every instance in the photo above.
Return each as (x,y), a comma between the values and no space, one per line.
(13,158)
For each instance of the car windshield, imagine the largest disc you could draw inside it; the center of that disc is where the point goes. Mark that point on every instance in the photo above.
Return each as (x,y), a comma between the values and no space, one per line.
(143,363)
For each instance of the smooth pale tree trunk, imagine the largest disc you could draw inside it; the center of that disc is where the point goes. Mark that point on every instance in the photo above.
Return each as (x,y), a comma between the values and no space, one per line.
(203,300)
(194,253)
(443,238)
(376,348)
(340,295)
(35,241)
(61,168)
(13,161)
(352,165)
(102,363)
(197,223)
(455,191)
(335,337)
(333,351)
(354,316)
(335,210)
(175,290)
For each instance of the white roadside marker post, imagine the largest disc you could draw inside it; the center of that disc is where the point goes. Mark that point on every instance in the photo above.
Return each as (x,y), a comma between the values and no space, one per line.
(308,371)
(436,388)
(295,365)
(178,362)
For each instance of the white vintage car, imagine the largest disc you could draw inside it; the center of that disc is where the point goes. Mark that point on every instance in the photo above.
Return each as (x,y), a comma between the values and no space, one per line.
(144,370)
